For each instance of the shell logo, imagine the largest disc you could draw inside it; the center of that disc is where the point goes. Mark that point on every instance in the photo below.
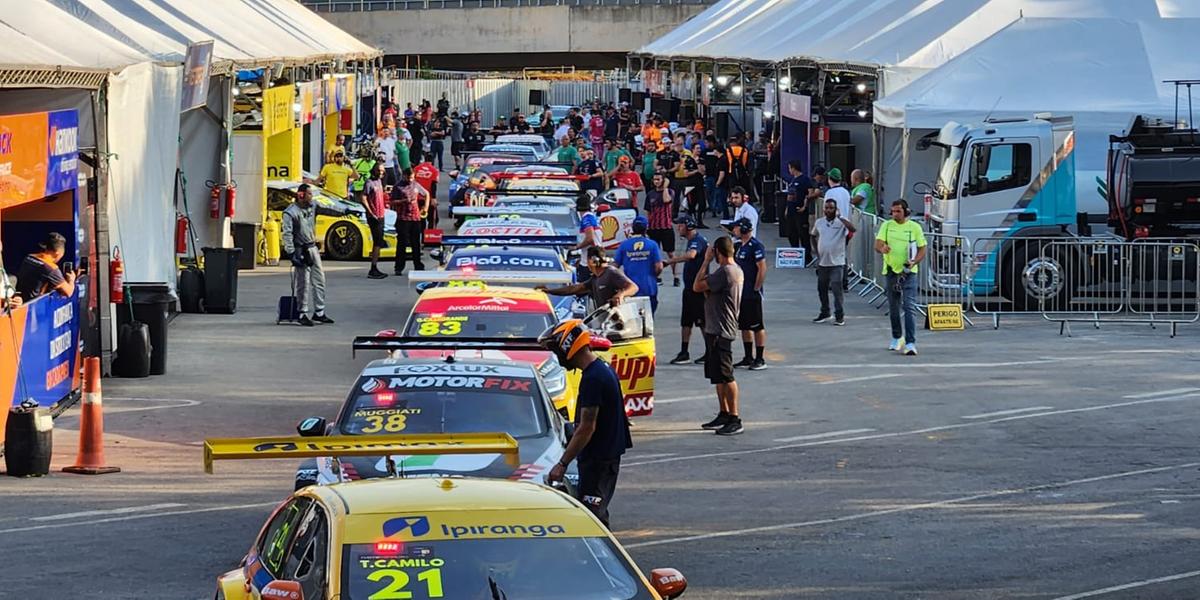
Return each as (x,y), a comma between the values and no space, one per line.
(608,227)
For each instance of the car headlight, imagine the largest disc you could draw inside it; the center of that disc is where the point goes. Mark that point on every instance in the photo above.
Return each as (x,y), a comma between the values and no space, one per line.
(555,377)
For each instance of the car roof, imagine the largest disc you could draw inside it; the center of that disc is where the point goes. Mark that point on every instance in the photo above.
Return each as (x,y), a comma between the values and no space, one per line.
(509,148)
(386,508)
(519,137)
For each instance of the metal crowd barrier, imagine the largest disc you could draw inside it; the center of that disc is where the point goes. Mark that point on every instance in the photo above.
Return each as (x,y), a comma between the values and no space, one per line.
(1144,282)
(943,280)
(865,266)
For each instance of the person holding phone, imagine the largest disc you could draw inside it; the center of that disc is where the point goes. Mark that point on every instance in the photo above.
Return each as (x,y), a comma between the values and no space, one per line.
(40,272)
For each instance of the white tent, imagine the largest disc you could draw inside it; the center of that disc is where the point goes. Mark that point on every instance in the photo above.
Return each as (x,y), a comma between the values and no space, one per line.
(1101,71)
(873,33)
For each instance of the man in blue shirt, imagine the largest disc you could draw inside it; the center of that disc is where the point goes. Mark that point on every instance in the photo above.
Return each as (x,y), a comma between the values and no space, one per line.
(692,312)
(796,215)
(751,256)
(639,256)
(601,429)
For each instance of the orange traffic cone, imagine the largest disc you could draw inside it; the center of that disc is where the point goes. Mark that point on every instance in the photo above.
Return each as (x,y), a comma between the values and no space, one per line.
(91,425)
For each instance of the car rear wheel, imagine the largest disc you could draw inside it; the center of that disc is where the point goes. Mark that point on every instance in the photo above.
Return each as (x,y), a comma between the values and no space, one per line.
(343,241)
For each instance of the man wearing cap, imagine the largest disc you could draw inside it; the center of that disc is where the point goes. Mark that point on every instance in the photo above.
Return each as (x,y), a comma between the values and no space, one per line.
(623,177)
(841,196)
(337,175)
(751,257)
(641,260)
(601,429)
(606,286)
(692,312)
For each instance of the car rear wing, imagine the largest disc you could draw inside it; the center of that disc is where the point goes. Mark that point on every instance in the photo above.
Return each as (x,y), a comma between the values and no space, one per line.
(294,447)
(395,343)
(495,277)
(551,241)
(500,211)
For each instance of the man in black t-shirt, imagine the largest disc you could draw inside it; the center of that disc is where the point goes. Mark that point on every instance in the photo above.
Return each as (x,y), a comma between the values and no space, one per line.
(692,313)
(591,167)
(474,139)
(601,429)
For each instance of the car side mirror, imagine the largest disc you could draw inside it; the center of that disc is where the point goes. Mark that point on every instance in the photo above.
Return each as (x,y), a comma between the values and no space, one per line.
(312,427)
(669,583)
(424,285)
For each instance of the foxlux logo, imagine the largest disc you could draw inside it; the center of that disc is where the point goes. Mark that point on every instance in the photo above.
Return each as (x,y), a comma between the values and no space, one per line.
(457,531)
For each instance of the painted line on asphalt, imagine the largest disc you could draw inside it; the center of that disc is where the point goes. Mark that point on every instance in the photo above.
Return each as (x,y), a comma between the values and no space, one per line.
(712,396)
(972,365)
(907,508)
(111,511)
(863,378)
(818,436)
(1162,393)
(1011,411)
(1130,586)
(880,436)
(137,517)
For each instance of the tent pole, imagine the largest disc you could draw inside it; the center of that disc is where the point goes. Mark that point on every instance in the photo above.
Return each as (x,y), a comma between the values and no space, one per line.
(742,83)
(821,76)
(904,161)
(103,248)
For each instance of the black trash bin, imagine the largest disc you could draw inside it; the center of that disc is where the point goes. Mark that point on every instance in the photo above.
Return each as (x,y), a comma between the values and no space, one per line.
(28,442)
(220,279)
(244,236)
(151,305)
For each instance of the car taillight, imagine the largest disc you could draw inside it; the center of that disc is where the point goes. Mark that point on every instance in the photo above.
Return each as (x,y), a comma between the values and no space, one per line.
(389,548)
(1141,232)
(384,398)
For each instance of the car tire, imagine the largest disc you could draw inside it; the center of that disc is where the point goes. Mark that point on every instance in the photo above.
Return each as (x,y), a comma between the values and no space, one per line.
(343,241)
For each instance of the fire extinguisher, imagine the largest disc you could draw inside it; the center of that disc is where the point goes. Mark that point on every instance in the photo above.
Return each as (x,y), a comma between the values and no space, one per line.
(116,277)
(181,234)
(928,206)
(214,200)
(230,198)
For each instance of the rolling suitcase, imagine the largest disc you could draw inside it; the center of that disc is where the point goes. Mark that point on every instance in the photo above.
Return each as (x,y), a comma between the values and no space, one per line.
(289,308)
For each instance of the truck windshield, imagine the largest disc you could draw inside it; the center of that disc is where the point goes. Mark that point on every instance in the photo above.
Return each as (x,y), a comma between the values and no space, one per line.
(947,181)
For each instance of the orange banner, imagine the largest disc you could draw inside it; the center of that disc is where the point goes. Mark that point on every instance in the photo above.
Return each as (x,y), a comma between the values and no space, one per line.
(23,158)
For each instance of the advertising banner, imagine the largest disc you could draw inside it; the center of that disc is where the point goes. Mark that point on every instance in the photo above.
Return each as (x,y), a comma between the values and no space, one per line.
(795,111)
(309,99)
(277,110)
(38,153)
(195,75)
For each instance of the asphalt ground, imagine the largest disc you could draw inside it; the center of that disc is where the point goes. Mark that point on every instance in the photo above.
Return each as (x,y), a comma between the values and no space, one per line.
(1009,463)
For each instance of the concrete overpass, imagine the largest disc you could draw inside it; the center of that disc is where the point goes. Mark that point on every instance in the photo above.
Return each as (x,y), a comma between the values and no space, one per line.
(494,34)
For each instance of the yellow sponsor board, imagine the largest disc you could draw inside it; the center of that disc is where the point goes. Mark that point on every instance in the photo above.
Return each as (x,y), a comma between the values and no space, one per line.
(634,363)
(277,110)
(945,316)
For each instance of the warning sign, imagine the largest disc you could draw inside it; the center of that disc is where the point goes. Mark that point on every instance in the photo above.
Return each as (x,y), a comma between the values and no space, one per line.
(944,316)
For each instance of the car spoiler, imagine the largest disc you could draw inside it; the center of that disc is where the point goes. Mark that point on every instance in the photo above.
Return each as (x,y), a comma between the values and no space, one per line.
(294,447)
(495,277)
(500,211)
(553,241)
(393,343)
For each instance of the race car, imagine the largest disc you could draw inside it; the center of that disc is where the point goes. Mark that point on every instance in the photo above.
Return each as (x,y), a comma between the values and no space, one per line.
(430,388)
(539,144)
(426,539)
(497,312)
(341,227)
(616,225)
(540,260)
(491,313)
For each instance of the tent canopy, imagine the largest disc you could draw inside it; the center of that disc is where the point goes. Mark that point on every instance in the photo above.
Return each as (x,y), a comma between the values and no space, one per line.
(1066,66)
(101,36)
(914,34)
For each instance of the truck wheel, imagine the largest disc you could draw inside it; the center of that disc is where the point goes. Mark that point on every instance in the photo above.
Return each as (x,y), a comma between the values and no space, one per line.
(343,242)
(1035,278)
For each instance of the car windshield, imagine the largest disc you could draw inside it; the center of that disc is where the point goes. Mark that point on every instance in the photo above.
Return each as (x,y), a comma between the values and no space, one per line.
(587,568)
(462,404)
(479,320)
(947,181)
